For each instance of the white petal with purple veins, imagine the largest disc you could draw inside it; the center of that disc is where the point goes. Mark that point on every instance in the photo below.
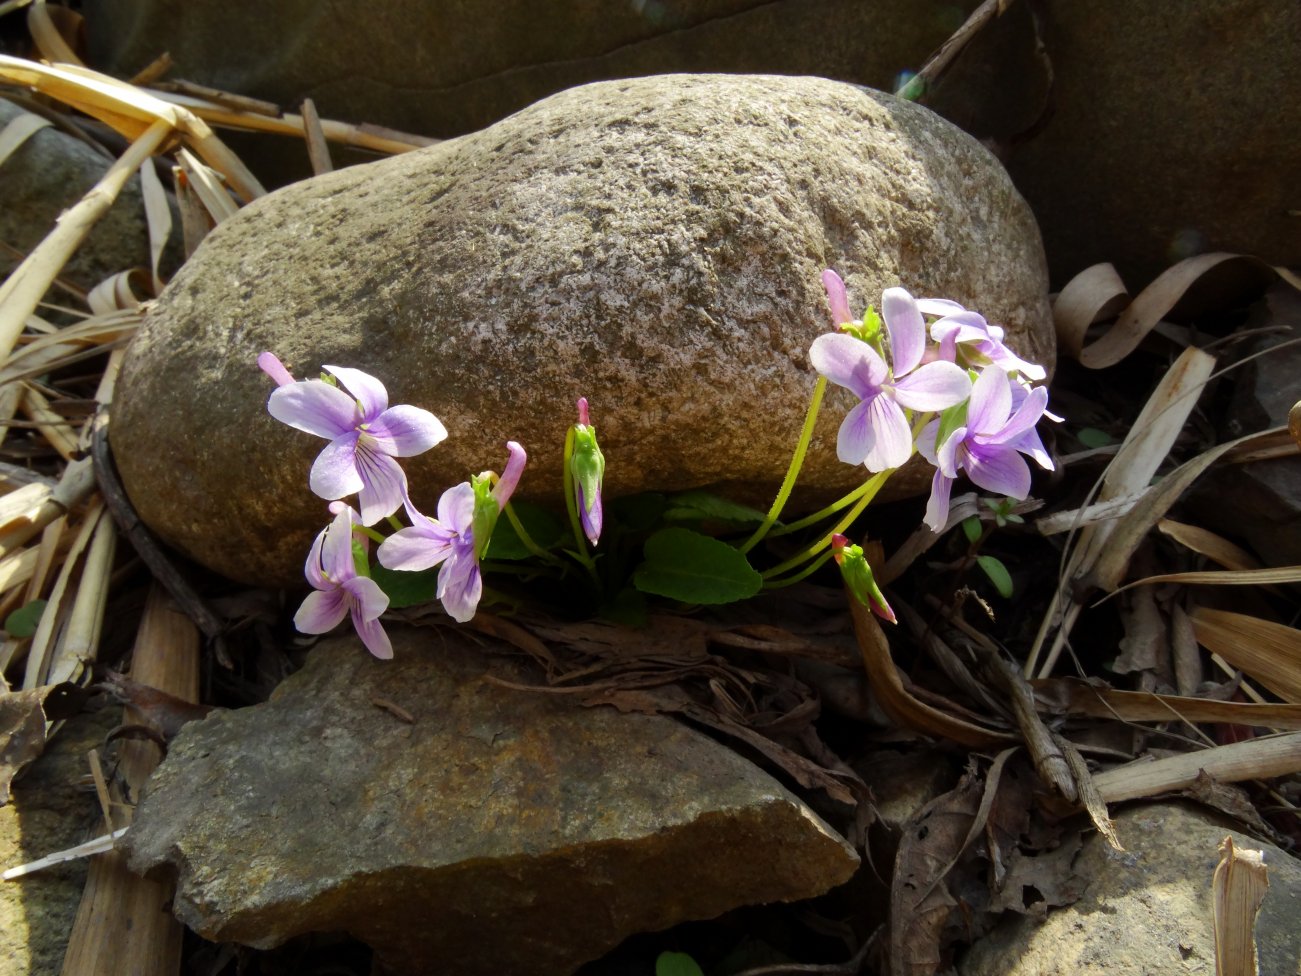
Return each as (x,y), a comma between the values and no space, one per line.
(314,406)
(894,440)
(1026,416)
(368,600)
(368,391)
(383,487)
(460,586)
(848,362)
(998,469)
(907,330)
(415,548)
(856,437)
(322,611)
(405,431)
(456,507)
(937,506)
(334,473)
(374,636)
(935,386)
(991,401)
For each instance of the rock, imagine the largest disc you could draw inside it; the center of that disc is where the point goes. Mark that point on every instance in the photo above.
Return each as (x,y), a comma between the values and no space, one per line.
(654,245)
(50,172)
(1168,136)
(501,831)
(1148,910)
(445,70)
(50,811)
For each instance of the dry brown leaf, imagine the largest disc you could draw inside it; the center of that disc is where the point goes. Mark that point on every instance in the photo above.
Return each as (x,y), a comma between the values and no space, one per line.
(24,717)
(1072,696)
(1208,544)
(903,707)
(1035,883)
(19,130)
(1097,293)
(920,903)
(1240,883)
(1226,577)
(1267,651)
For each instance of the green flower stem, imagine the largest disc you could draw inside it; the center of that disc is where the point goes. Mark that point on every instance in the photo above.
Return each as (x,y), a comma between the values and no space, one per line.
(810,569)
(397,526)
(527,539)
(368,532)
(824,540)
(819,515)
(797,461)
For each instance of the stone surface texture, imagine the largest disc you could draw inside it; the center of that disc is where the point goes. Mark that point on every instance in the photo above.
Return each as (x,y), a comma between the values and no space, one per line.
(654,245)
(50,172)
(1199,155)
(444,69)
(49,811)
(1148,910)
(502,831)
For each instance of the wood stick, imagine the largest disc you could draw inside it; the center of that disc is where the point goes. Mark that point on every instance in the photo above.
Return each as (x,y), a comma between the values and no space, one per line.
(1278,755)
(318,151)
(124,924)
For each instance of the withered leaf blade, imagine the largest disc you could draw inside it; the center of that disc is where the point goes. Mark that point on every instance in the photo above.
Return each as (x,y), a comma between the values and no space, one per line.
(23,719)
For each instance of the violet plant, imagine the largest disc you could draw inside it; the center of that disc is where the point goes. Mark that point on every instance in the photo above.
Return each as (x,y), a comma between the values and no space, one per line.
(931,377)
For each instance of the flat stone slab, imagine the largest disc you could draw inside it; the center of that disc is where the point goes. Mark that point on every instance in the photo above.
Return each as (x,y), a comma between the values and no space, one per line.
(501,831)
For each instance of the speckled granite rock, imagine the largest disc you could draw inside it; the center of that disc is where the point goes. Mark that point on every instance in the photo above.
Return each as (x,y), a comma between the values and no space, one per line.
(654,245)
(1149,909)
(501,831)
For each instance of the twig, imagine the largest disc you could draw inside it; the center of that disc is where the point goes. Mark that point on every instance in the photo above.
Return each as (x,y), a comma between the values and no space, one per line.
(124,514)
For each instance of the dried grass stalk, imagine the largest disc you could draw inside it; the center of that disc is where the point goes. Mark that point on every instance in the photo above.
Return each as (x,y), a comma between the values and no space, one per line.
(124,923)
(1265,758)
(23,290)
(60,601)
(318,151)
(1239,886)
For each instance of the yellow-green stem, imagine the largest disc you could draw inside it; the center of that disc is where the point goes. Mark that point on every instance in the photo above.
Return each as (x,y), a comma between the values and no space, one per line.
(527,539)
(797,461)
(808,570)
(874,485)
(819,515)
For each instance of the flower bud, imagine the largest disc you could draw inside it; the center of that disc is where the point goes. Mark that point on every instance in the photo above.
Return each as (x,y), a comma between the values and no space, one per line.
(858,577)
(587,467)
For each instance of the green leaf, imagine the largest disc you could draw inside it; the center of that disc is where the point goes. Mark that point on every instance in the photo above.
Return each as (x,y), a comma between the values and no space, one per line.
(971,529)
(23,621)
(696,505)
(676,964)
(406,589)
(543,528)
(998,575)
(693,568)
(1092,437)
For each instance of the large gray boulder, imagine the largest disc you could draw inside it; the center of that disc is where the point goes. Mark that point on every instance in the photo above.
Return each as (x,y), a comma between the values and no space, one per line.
(654,245)
(460,827)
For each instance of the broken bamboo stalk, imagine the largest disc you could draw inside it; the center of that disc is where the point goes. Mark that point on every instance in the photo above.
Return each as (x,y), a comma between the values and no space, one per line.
(124,923)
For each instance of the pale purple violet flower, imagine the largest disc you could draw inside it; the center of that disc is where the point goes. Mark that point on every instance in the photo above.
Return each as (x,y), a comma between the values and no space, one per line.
(364,432)
(876,431)
(999,428)
(340,591)
(980,342)
(450,542)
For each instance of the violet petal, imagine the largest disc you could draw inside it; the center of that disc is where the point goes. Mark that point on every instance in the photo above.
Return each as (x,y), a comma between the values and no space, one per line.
(322,611)
(405,431)
(935,386)
(366,390)
(848,362)
(906,327)
(334,474)
(314,406)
